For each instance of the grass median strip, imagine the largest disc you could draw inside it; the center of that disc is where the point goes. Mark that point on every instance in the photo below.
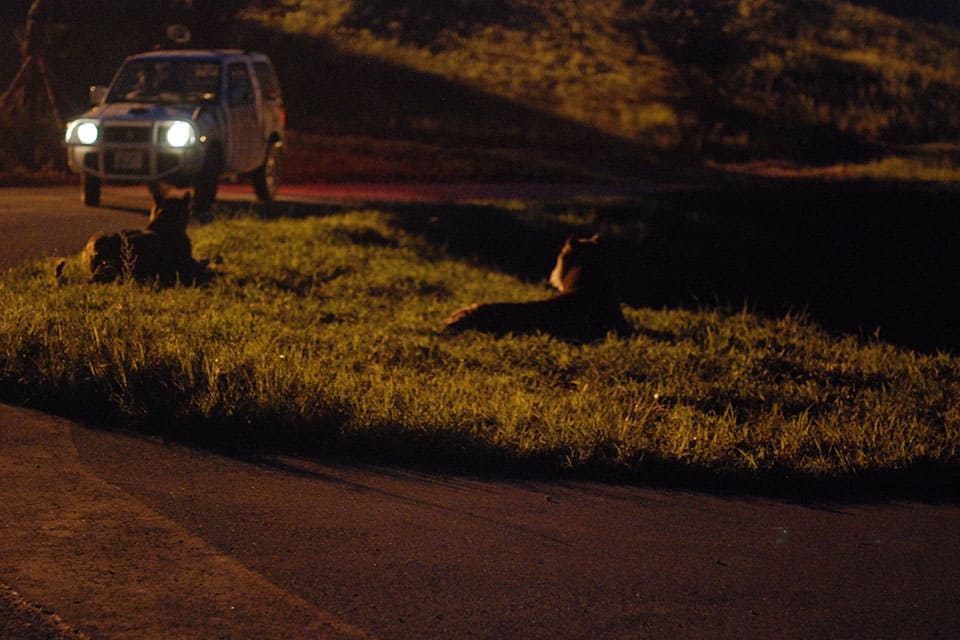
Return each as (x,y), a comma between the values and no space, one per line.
(323,332)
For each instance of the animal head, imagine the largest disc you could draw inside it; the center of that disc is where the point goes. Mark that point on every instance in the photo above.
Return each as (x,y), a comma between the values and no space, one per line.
(580,262)
(170,216)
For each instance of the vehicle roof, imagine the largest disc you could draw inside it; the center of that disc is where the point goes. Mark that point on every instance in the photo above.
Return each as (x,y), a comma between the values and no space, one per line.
(197,53)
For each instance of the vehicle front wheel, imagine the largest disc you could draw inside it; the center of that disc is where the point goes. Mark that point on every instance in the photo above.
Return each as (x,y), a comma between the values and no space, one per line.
(266,179)
(205,187)
(91,190)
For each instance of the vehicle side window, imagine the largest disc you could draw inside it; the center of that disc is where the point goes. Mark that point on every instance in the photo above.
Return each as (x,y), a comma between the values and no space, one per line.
(240,88)
(268,80)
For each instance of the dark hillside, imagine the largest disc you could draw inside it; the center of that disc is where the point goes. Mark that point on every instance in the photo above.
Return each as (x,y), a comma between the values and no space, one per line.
(943,11)
(812,81)
(817,81)
(803,82)
(354,94)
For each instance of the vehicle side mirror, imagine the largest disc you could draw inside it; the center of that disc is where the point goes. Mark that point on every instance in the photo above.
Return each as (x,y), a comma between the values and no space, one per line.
(97,94)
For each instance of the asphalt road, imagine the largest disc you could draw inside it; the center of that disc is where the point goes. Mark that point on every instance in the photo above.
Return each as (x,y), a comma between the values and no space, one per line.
(116,536)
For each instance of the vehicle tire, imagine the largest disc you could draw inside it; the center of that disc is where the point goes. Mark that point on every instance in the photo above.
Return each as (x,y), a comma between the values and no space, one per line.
(266,179)
(91,190)
(205,187)
(158,191)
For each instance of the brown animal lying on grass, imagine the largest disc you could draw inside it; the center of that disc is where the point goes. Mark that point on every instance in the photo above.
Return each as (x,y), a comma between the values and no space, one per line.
(586,308)
(161,251)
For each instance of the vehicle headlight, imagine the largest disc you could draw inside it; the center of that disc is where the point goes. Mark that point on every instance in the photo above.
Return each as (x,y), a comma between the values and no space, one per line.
(180,134)
(87,132)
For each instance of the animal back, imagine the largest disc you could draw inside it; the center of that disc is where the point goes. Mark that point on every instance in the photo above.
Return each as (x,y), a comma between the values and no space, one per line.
(564,315)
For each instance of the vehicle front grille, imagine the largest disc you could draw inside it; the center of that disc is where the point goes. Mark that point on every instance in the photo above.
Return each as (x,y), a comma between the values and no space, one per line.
(126,163)
(124,134)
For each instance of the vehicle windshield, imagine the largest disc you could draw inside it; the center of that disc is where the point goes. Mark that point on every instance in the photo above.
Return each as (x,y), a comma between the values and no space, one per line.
(167,81)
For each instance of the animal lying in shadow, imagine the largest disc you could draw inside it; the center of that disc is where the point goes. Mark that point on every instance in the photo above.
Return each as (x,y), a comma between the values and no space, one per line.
(586,308)
(161,251)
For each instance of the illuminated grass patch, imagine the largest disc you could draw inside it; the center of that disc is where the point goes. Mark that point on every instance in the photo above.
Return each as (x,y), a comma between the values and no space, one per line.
(323,332)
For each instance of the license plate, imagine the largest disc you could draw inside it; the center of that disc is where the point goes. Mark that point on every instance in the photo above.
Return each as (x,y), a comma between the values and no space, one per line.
(128,160)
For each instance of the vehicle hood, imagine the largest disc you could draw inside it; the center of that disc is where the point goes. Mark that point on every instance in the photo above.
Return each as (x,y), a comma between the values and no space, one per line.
(142,111)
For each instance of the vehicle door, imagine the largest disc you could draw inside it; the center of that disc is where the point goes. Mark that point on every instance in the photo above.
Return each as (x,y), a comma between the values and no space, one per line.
(243,126)
(271,112)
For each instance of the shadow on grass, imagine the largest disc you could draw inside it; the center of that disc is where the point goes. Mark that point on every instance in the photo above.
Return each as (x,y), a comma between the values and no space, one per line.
(262,436)
(225,209)
(459,454)
(860,258)
(863,258)
(855,256)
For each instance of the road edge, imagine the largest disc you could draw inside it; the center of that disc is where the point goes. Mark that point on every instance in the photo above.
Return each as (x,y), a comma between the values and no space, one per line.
(113,567)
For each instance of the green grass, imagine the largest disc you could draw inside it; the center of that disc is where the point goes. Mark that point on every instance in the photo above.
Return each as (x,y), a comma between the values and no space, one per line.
(322,333)
(914,168)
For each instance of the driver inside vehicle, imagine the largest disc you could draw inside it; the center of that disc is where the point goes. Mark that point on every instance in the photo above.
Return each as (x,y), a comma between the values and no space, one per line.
(154,80)
(168,82)
(146,84)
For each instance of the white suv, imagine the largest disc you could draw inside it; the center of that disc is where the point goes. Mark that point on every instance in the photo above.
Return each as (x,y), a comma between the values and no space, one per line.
(182,118)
